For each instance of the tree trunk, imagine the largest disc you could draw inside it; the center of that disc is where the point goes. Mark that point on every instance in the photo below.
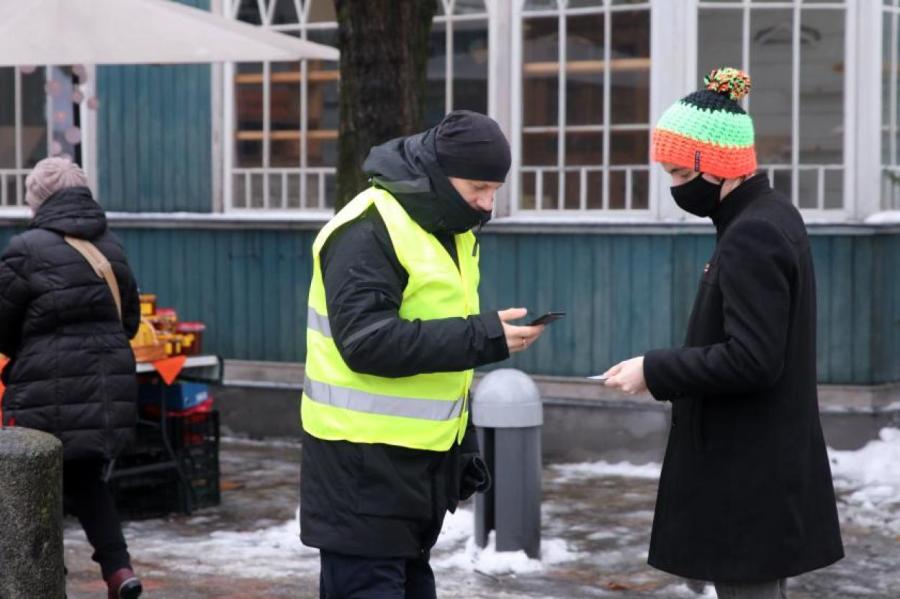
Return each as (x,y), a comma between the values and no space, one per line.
(384,51)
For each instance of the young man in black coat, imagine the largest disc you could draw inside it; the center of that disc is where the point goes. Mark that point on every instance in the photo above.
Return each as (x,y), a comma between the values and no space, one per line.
(375,509)
(745,496)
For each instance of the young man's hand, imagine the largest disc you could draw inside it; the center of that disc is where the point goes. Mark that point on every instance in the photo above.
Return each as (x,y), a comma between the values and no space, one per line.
(518,338)
(627,376)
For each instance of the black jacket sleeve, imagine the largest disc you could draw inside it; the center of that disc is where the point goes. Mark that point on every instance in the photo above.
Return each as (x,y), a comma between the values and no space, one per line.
(364,285)
(14,295)
(756,266)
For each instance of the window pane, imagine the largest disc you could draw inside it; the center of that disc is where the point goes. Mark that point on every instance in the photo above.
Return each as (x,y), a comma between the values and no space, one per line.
(435,92)
(541,4)
(808,189)
(323,105)
(34,118)
(7,118)
(584,149)
(630,67)
(888,54)
(719,34)
(549,198)
(770,65)
(781,181)
(834,189)
(470,65)
(285,152)
(284,96)
(584,77)
(540,71)
(293,190)
(276,187)
(249,114)
(640,190)
(617,190)
(629,147)
(285,13)
(527,191)
(248,11)
(822,87)
(539,149)
(573,190)
(256,191)
(469,7)
(595,190)
(321,11)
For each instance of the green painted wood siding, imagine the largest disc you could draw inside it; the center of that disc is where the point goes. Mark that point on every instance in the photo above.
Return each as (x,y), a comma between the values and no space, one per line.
(624,294)
(154,137)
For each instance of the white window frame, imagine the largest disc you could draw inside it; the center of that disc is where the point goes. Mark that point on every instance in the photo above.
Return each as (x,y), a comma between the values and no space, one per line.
(16,207)
(746,7)
(606,8)
(318,211)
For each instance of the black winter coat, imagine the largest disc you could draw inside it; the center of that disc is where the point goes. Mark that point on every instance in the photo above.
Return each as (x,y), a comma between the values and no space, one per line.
(746,492)
(378,500)
(71,370)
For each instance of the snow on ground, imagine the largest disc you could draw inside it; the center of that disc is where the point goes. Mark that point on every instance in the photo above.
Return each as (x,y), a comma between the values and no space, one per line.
(870,480)
(570,472)
(456,548)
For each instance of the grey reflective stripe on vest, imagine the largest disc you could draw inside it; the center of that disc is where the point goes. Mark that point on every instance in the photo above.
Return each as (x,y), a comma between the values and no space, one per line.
(317,322)
(386,405)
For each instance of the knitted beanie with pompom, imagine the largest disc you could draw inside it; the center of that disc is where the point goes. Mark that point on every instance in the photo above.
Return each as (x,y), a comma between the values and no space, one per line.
(708,131)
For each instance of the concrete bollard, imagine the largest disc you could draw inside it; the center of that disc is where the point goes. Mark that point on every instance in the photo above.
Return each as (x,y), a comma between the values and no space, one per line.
(31,543)
(507,410)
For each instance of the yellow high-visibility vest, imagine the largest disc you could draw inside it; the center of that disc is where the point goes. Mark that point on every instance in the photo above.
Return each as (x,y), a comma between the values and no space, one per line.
(426,411)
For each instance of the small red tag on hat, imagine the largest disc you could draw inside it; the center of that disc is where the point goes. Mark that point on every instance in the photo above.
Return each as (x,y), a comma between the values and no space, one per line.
(697,161)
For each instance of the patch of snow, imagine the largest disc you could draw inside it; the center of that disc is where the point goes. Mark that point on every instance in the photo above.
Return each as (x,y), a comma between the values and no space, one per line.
(571,472)
(490,561)
(870,480)
(265,552)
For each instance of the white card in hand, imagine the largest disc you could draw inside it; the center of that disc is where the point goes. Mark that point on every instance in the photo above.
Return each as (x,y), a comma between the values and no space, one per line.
(598,377)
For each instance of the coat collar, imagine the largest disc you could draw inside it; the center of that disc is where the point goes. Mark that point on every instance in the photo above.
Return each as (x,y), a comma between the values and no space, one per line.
(736,201)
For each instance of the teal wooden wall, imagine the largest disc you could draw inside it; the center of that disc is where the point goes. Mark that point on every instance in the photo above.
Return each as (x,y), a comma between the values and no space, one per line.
(624,294)
(154,132)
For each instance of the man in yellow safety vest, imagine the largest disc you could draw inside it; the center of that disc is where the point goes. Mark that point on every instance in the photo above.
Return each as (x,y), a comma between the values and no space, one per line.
(394,332)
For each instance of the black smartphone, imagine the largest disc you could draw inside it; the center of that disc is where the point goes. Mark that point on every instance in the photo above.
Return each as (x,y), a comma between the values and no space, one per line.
(546,318)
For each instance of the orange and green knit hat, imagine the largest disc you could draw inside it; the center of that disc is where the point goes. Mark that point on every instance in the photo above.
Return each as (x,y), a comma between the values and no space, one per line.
(708,131)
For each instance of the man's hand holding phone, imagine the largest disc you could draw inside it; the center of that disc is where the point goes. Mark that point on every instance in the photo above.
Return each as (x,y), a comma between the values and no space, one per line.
(518,338)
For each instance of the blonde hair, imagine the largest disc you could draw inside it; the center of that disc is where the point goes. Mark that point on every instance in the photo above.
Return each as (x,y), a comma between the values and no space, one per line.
(49,176)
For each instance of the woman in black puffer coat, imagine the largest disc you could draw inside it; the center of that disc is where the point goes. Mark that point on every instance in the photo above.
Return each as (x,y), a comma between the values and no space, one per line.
(71,371)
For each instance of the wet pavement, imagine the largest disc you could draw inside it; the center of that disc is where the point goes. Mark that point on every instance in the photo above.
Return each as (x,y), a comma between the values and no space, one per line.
(596,526)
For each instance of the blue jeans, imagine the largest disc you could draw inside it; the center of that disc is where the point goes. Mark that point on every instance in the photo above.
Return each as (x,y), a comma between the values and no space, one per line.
(353,577)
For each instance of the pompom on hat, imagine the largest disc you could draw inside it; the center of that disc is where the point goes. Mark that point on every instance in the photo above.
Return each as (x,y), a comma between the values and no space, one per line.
(708,131)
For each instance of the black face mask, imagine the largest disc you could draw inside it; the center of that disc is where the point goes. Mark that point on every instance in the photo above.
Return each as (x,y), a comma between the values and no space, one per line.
(698,196)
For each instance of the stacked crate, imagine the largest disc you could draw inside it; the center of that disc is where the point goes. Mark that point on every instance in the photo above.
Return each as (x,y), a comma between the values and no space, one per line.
(152,493)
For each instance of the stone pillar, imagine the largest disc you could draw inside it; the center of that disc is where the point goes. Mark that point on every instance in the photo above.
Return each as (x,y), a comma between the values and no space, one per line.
(31,545)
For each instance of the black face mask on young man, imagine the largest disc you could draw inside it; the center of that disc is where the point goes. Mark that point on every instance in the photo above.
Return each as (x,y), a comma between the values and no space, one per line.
(698,196)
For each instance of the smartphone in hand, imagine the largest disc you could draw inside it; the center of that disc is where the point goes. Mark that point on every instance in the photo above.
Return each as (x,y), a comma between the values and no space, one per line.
(546,318)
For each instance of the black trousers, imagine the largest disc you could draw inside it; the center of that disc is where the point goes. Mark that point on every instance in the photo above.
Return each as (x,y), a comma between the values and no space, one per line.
(352,577)
(87,497)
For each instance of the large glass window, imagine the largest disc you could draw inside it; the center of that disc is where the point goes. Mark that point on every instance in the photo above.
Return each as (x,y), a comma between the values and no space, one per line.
(457,59)
(890,107)
(794,51)
(284,125)
(31,97)
(284,120)
(585,106)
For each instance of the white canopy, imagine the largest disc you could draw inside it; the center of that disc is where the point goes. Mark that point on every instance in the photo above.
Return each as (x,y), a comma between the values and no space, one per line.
(68,32)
